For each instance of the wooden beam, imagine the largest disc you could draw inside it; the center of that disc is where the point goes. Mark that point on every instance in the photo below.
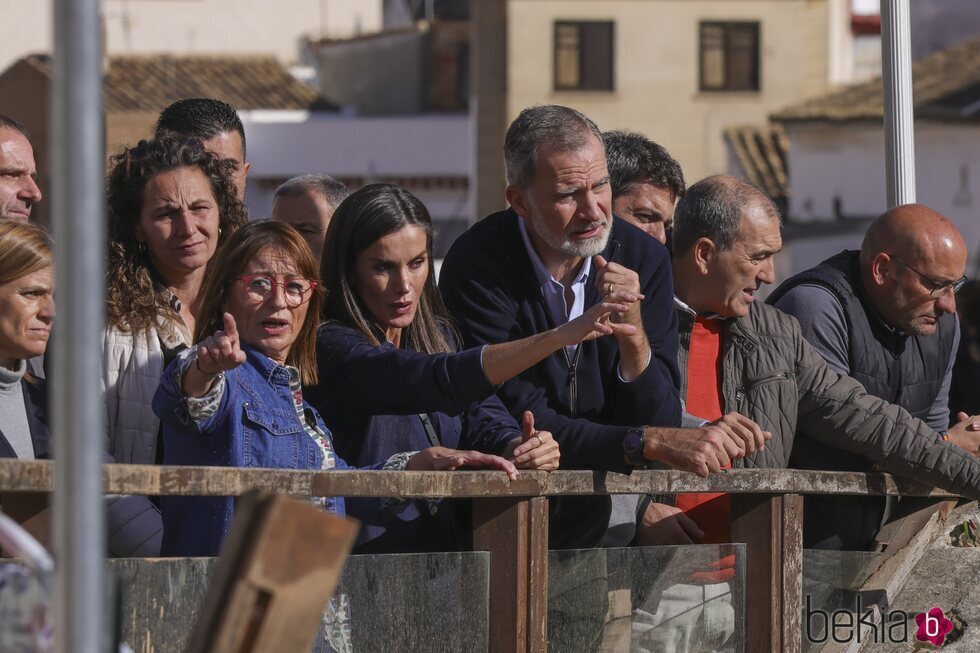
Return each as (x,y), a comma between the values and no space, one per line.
(37,476)
(771,526)
(537,604)
(500,526)
(756,522)
(278,568)
(792,572)
(515,532)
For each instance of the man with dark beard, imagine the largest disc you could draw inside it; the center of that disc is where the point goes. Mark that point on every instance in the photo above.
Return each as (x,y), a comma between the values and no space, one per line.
(217,125)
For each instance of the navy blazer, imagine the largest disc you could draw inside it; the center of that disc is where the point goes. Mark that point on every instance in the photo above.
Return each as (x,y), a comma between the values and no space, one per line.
(371,396)
(36,403)
(488,283)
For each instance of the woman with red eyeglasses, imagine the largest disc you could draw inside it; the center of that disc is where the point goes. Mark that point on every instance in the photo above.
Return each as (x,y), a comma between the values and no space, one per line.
(235,398)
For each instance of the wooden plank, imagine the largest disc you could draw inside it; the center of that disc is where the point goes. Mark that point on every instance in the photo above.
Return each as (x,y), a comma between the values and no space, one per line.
(537,604)
(279,566)
(912,516)
(37,476)
(909,539)
(792,572)
(756,521)
(30,510)
(513,531)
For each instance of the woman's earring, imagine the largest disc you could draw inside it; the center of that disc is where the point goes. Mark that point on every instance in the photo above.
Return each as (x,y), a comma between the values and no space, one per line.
(141,248)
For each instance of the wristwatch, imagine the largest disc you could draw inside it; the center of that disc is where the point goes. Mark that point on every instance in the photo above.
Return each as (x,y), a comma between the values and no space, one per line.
(633,447)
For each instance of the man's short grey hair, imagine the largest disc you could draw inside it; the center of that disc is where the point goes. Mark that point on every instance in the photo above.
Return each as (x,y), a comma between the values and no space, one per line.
(332,190)
(713,208)
(550,125)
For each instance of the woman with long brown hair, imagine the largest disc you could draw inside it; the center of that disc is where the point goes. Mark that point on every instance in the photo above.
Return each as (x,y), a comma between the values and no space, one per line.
(235,398)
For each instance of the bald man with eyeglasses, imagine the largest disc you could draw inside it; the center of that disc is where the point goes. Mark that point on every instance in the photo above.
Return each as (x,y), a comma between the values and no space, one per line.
(884,315)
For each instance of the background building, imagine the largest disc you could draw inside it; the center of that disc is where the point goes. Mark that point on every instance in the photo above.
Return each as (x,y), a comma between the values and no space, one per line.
(393,78)
(198,27)
(679,71)
(836,155)
(136,88)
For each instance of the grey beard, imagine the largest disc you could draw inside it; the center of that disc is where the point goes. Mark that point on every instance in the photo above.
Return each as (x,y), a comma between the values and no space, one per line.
(583,249)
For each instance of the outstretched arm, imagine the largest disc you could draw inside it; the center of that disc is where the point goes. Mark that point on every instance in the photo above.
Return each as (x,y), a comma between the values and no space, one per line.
(444,459)
(192,395)
(503,361)
(836,410)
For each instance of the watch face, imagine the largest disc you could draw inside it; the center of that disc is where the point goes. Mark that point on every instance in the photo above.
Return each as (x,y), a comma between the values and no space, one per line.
(634,441)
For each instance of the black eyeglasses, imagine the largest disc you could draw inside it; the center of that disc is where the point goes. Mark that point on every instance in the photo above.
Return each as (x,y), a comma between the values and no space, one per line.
(937,288)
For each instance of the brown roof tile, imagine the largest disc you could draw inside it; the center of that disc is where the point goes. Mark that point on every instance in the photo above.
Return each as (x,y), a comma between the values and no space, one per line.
(945,85)
(247,82)
(762,152)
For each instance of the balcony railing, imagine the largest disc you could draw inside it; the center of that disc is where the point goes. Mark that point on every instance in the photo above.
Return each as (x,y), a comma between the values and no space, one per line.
(510,520)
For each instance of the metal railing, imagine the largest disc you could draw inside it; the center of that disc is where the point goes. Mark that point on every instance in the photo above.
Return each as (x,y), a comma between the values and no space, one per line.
(510,520)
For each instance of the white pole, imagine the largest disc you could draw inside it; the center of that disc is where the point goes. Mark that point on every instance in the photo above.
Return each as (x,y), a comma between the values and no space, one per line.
(78,220)
(896,72)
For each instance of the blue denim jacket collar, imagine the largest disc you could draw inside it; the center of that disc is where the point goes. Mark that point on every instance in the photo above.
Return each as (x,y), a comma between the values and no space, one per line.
(270,370)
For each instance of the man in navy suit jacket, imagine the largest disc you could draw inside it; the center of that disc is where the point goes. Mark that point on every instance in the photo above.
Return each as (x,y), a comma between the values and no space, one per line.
(612,403)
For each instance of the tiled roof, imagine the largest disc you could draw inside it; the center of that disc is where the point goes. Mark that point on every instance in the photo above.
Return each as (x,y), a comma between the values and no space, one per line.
(945,86)
(247,82)
(762,151)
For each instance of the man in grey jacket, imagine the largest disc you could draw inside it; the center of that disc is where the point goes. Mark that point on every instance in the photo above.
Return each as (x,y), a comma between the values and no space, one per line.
(884,315)
(726,233)
(739,354)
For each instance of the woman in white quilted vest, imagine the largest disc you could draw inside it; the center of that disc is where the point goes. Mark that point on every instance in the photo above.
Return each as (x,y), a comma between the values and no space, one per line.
(170,205)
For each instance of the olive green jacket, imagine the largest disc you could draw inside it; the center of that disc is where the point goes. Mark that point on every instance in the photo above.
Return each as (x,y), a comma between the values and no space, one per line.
(772,375)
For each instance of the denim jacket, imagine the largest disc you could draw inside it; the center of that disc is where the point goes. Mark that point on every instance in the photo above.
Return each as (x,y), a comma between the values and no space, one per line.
(254,424)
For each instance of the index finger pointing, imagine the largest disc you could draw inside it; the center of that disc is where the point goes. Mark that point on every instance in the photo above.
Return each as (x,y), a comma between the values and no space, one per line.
(231,329)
